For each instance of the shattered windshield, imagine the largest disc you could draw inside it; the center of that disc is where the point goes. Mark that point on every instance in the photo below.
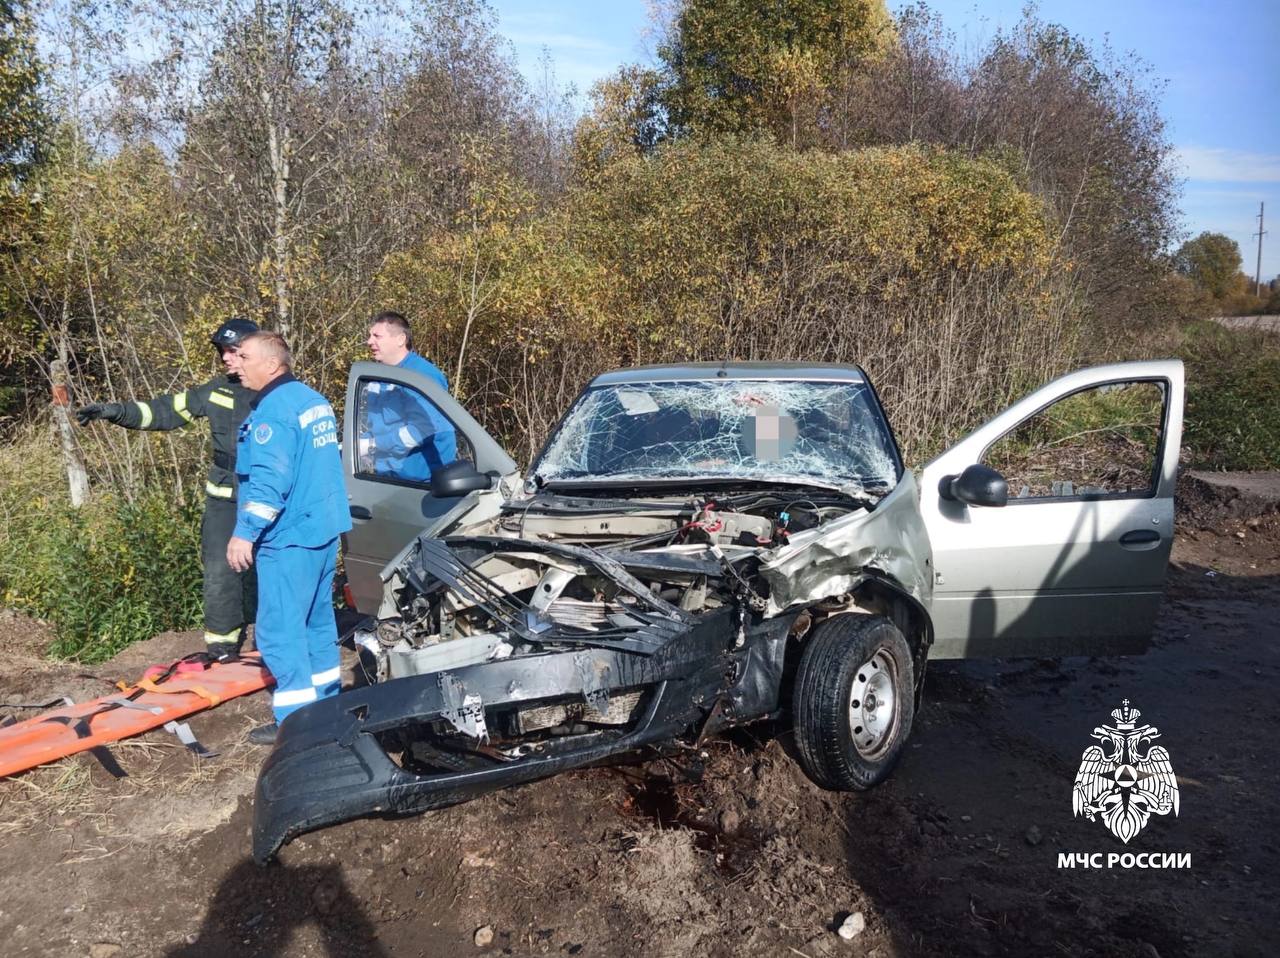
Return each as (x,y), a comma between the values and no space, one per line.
(826,432)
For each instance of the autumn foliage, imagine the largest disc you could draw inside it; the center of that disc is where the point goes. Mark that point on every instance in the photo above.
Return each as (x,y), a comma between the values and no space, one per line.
(744,249)
(813,181)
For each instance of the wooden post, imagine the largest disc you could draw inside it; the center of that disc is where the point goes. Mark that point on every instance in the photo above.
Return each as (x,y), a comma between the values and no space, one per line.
(77,475)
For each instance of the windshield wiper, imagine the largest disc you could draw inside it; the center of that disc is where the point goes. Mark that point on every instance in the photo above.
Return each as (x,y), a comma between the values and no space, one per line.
(852,489)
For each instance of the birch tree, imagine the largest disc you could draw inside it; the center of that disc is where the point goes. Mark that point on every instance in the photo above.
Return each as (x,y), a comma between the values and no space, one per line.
(274,79)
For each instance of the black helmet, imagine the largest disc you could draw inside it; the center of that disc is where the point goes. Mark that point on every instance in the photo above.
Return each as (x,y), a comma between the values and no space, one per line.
(232,332)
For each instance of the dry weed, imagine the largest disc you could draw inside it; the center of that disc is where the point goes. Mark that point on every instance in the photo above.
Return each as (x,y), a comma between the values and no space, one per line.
(60,792)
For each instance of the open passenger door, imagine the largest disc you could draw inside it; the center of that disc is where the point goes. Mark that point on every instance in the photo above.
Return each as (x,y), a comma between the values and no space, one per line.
(399,429)
(1075,562)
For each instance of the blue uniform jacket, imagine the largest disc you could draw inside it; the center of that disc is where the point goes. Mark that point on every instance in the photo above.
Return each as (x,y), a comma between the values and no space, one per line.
(411,438)
(288,461)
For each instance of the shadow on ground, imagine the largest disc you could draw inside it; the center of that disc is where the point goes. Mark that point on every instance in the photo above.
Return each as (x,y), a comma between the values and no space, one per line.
(959,849)
(257,911)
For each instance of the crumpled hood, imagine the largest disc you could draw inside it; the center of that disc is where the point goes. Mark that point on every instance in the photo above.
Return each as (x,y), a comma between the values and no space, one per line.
(830,560)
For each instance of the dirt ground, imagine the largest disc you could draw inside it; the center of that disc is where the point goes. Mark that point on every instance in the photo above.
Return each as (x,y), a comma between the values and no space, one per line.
(956,855)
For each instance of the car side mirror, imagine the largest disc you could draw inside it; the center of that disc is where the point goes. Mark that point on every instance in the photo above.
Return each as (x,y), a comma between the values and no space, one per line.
(457,479)
(978,485)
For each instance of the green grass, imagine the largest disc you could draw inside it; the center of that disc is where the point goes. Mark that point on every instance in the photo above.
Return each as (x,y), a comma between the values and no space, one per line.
(1104,439)
(1232,418)
(109,574)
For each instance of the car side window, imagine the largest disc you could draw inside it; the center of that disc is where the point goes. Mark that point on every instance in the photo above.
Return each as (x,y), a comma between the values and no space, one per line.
(1098,443)
(402,436)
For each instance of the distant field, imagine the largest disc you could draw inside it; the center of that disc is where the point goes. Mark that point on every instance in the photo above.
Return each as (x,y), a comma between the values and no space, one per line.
(1270,324)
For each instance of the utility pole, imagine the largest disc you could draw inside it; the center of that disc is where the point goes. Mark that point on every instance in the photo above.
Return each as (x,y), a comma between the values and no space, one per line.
(1257,274)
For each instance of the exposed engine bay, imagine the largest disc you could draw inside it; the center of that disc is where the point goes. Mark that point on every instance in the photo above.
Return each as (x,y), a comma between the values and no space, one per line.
(690,555)
(585,573)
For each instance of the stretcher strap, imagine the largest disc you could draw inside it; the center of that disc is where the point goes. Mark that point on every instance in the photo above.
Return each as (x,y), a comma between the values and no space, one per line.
(108,761)
(60,700)
(150,686)
(81,727)
(125,703)
(188,738)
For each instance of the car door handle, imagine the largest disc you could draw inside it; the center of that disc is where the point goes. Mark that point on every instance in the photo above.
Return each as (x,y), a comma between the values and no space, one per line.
(361,512)
(1140,539)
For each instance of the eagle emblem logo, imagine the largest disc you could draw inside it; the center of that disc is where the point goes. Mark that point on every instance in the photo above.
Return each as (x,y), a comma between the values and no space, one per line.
(1125,779)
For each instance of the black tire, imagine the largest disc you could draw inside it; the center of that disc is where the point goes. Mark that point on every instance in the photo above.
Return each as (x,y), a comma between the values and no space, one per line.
(844,747)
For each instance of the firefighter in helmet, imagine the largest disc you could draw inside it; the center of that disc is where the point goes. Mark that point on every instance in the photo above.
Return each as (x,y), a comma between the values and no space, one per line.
(230,597)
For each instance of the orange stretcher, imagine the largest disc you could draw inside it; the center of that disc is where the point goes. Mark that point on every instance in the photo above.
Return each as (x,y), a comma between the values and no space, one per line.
(161,697)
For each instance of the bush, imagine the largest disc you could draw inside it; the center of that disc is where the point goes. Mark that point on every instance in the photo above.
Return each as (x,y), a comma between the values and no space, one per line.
(1233,398)
(111,573)
(933,271)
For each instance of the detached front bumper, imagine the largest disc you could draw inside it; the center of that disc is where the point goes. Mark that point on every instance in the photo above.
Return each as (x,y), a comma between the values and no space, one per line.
(328,765)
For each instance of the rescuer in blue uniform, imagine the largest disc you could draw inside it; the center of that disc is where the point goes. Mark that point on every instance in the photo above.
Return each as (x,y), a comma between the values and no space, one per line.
(403,435)
(291,508)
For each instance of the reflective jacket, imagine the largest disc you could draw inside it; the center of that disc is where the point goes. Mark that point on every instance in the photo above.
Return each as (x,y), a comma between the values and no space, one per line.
(223,401)
(411,438)
(292,489)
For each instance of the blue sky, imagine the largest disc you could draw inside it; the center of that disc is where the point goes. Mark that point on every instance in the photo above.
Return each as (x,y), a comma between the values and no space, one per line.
(1219,61)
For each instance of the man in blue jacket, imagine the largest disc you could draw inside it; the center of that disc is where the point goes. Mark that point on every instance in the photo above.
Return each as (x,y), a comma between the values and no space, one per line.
(291,508)
(403,436)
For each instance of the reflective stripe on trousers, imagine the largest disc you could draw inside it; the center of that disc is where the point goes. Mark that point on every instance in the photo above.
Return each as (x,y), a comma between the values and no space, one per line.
(328,682)
(230,597)
(296,631)
(294,698)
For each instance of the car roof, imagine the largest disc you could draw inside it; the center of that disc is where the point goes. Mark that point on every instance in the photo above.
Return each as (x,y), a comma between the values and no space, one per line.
(685,372)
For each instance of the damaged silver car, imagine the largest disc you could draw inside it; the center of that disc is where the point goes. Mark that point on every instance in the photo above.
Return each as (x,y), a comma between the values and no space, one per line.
(702,546)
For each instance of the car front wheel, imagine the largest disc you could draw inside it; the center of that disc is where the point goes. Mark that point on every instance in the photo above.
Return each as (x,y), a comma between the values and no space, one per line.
(853,701)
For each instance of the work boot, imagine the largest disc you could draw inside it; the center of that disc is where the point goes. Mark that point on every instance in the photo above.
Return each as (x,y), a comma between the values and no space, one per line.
(264,734)
(221,651)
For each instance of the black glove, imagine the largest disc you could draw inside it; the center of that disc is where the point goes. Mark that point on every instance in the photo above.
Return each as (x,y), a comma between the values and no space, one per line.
(110,411)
